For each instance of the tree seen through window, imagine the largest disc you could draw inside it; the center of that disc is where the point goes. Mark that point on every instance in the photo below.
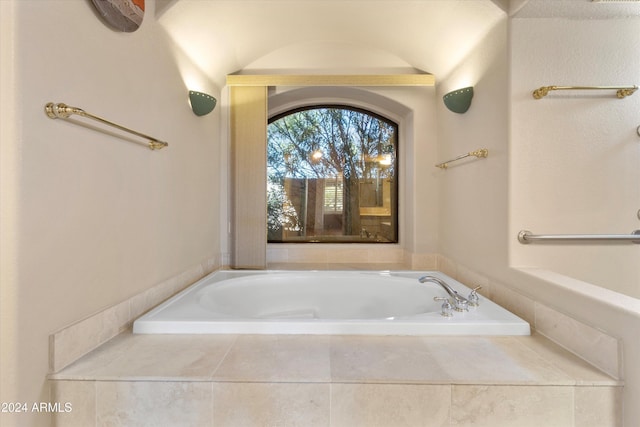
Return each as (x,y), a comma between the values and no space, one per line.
(331,176)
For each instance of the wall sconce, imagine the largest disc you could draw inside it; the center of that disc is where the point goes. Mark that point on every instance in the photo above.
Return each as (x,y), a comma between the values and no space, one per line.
(459,100)
(201,103)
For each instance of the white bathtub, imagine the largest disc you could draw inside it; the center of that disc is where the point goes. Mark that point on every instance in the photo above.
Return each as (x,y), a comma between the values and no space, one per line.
(323,302)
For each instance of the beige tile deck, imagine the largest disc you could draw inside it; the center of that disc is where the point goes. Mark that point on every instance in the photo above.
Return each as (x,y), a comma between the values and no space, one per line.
(253,380)
(130,357)
(276,358)
(531,360)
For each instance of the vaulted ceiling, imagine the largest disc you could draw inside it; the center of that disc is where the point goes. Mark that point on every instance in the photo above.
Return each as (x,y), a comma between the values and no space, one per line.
(226,36)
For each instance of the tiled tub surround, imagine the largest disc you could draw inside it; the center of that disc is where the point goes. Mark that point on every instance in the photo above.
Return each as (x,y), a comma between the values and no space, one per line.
(76,340)
(289,380)
(158,377)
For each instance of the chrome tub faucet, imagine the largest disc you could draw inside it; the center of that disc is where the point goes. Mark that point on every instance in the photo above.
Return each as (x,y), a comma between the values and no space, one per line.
(460,303)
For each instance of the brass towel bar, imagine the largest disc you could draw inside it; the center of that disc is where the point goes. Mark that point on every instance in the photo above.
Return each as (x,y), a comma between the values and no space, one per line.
(63,111)
(483,152)
(621,91)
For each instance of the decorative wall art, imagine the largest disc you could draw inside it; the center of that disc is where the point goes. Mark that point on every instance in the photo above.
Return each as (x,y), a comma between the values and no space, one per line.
(122,15)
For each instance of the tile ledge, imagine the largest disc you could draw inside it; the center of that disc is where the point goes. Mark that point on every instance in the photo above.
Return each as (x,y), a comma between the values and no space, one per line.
(583,375)
(80,338)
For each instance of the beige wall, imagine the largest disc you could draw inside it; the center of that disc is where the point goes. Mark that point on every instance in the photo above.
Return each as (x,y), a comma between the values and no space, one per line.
(575,155)
(473,192)
(555,165)
(574,169)
(89,219)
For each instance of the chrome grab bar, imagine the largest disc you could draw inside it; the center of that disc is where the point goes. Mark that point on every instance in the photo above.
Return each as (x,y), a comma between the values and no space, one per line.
(63,111)
(526,236)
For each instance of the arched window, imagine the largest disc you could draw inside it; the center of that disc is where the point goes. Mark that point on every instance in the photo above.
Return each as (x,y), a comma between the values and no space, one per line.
(332,176)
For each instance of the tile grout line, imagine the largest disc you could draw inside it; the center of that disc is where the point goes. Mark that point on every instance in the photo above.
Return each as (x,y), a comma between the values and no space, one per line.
(222,359)
(95,402)
(212,403)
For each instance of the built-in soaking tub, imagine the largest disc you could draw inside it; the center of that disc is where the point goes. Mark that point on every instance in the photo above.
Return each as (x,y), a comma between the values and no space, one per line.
(324,302)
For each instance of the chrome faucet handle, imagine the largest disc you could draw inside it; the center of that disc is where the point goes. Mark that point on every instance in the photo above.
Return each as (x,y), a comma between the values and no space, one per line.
(461,304)
(473,298)
(447,308)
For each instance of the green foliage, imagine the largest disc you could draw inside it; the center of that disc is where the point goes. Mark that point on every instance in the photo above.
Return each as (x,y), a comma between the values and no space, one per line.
(347,139)
(325,142)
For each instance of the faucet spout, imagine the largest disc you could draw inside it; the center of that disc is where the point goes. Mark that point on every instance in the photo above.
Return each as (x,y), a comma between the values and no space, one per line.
(459,302)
